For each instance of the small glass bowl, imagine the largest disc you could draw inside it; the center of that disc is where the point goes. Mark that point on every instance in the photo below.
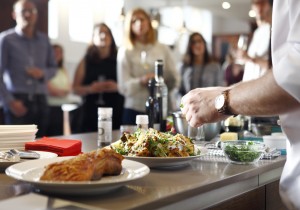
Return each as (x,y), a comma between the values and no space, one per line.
(243,152)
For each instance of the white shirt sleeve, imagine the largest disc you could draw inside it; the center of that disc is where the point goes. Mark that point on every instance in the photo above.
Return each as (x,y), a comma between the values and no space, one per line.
(127,85)
(286,46)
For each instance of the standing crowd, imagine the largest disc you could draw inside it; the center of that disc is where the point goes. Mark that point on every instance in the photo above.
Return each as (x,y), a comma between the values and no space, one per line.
(36,83)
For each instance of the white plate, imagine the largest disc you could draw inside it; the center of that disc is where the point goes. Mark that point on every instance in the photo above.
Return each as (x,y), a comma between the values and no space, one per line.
(165,162)
(17,138)
(43,155)
(17,133)
(17,127)
(31,172)
(12,144)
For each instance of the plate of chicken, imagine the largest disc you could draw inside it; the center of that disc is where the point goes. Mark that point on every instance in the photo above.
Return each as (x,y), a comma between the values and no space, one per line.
(96,172)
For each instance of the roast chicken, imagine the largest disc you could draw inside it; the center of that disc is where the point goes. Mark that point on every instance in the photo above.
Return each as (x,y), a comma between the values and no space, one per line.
(85,167)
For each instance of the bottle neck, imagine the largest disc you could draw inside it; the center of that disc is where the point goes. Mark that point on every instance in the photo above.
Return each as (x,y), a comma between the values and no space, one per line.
(159,73)
(151,92)
(152,87)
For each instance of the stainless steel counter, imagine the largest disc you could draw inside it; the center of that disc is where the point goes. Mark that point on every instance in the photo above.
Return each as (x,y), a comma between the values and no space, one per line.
(204,182)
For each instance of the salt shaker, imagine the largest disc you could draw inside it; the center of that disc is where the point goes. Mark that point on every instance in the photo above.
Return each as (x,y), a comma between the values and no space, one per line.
(104,126)
(142,121)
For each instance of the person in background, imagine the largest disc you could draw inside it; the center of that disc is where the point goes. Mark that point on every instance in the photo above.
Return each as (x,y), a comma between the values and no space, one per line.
(1,114)
(96,79)
(257,57)
(233,72)
(198,69)
(277,92)
(27,63)
(59,88)
(136,60)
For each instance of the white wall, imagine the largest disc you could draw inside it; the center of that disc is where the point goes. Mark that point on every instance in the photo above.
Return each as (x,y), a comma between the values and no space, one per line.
(229,26)
(100,10)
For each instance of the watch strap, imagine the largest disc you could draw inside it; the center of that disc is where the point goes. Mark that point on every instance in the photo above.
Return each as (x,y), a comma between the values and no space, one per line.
(225,109)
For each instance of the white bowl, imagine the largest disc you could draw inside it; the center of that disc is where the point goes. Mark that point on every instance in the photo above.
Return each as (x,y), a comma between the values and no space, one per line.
(276,141)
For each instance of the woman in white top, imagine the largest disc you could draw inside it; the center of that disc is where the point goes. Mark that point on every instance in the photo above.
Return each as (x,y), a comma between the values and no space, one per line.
(136,63)
(257,57)
(59,88)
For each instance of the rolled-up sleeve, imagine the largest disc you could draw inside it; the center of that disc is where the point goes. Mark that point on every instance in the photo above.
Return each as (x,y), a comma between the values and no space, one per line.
(286,49)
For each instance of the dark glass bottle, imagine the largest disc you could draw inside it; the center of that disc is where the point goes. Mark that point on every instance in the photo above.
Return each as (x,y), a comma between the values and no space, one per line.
(161,93)
(153,106)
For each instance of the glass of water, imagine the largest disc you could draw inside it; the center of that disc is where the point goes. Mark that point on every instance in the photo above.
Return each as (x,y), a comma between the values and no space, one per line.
(100,100)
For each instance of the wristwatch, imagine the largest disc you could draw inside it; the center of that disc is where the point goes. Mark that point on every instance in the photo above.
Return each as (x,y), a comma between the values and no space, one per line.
(222,103)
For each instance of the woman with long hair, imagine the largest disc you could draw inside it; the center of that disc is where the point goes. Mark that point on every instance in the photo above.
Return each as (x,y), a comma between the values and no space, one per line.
(198,69)
(59,88)
(136,60)
(96,79)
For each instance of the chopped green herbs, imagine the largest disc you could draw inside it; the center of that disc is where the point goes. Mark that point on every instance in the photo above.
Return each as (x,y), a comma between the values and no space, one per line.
(242,153)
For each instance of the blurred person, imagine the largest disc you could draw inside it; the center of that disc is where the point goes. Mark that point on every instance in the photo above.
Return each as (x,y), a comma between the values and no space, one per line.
(198,69)
(276,92)
(233,71)
(1,114)
(27,63)
(136,60)
(96,79)
(59,88)
(256,58)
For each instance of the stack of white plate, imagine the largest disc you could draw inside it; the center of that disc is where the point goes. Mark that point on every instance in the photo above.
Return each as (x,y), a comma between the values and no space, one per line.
(15,136)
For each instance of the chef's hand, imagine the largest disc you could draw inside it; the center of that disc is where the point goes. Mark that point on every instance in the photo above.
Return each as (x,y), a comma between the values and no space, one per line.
(17,108)
(198,106)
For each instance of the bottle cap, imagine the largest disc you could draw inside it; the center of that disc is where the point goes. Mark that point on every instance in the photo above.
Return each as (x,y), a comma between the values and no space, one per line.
(142,119)
(159,62)
(107,111)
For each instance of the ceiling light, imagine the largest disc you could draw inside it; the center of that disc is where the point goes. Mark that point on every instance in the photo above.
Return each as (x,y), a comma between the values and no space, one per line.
(226,5)
(252,13)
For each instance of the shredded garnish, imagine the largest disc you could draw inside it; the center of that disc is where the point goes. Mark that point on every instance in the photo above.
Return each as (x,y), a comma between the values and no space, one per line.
(153,143)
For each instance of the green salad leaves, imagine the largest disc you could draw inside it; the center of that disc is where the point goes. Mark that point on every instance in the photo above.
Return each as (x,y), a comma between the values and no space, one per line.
(242,153)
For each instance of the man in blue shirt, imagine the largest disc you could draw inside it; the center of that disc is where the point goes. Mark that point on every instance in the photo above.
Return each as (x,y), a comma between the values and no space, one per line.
(26,64)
